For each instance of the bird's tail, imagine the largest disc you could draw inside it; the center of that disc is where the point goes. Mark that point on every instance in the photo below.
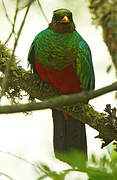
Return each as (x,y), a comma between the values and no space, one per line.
(68,133)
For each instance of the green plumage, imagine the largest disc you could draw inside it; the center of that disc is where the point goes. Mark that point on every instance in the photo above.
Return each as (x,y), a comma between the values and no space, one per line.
(57,48)
(60,50)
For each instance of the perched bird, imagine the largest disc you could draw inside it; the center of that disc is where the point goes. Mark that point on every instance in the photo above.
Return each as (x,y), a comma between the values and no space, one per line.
(61,57)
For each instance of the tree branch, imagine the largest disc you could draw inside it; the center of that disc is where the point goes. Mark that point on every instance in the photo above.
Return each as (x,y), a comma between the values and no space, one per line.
(59,101)
(19,80)
(104,14)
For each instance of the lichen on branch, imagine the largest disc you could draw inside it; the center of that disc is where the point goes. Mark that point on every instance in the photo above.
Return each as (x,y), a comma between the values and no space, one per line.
(104,14)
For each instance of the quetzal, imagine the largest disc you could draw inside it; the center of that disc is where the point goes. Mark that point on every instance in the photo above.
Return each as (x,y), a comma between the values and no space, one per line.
(62,58)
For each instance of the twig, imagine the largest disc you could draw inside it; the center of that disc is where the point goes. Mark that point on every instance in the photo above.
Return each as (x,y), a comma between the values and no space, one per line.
(13,51)
(18,157)
(6,14)
(14,21)
(22,159)
(13,24)
(6,175)
(40,6)
(42,11)
(26,4)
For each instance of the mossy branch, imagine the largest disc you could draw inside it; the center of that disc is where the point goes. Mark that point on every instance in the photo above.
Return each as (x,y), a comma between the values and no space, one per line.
(20,80)
(104,14)
(59,102)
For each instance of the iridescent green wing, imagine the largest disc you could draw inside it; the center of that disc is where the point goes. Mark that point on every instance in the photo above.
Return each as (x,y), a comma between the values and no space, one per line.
(84,66)
(31,56)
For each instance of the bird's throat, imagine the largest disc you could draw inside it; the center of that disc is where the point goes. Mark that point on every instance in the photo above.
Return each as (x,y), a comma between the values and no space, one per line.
(62,27)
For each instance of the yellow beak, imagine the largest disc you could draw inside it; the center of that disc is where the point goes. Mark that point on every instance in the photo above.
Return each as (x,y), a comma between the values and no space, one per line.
(65,19)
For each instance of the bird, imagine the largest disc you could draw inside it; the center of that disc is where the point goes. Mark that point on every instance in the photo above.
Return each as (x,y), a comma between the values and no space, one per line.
(62,58)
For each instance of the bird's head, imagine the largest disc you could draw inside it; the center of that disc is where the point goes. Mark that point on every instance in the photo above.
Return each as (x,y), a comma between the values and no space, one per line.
(62,21)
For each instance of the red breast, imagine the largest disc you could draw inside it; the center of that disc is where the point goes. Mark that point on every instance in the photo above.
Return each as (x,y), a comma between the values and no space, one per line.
(66,81)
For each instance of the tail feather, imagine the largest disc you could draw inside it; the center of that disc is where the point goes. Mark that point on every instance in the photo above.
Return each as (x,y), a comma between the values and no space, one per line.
(68,133)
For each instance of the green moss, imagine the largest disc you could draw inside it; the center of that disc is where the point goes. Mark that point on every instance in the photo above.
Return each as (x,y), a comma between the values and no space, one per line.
(104,14)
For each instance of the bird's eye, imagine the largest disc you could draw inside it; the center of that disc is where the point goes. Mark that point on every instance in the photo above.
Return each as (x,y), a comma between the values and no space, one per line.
(57,18)
(69,16)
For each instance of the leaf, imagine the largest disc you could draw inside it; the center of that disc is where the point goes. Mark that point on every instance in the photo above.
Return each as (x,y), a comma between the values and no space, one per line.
(108,68)
(98,174)
(42,177)
(104,162)
(45,168)
(74,158)
(114,153)
(93,159)
(50,173)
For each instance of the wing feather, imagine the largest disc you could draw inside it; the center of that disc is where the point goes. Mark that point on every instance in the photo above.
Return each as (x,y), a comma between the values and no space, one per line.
(31,56)
(84,66)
